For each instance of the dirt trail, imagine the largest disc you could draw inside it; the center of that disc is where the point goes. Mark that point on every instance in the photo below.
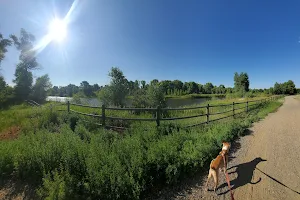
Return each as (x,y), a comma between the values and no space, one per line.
(275,139)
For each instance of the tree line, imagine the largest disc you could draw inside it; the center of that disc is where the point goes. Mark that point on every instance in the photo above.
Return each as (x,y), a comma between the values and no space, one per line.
(119,87)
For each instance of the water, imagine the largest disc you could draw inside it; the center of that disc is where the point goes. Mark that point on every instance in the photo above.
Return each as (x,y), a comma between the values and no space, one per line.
(173,103)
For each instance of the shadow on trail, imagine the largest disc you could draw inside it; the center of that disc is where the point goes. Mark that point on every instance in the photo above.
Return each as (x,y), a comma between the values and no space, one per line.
(277,181)
(244,174)
(193,181)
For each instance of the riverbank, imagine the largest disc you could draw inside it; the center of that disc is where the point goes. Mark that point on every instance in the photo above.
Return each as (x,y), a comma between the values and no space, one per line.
(190,96)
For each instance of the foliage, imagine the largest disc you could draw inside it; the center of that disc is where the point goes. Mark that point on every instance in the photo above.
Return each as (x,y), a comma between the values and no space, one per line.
(156,96)
(285,88)
(102,164)
(140,99)
(241,82)
(39,90)
(23,82)
(117,91)
(208,88)
(6,94)
(86,88)
(27,53)
(4,43)
(105,95)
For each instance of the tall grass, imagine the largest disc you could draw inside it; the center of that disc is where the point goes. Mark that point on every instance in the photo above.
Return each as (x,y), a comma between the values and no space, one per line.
(75,161)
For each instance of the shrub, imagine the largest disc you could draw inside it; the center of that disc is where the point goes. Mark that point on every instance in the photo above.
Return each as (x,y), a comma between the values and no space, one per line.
(80,164)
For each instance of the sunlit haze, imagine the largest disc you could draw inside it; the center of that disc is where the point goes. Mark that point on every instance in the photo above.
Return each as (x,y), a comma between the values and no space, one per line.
(58,30)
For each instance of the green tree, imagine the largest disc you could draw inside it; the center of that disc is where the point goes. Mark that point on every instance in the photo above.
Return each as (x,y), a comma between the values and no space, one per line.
(221,89)
(40,88)
(27,63)
(201,89)
(86,88)
(290,87)
(96,87)
(192,87)
(140,100)
(143,84)
(23,80)
(117,90)
(241,82)
(156,96)
(70,89)
(6,93)
(4,43)
(208,87)
(105,95)
(53,91)
(154,82)
(277,88)
(165,86)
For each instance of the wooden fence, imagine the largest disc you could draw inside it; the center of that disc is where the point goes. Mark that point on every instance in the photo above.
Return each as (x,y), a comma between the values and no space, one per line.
(232,112)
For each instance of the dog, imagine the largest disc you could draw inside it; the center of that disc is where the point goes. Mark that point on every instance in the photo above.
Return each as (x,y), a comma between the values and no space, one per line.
(218,164)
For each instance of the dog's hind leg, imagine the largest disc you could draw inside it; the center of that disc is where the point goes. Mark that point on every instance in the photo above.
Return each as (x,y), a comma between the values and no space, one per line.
(209,176)
(215,175)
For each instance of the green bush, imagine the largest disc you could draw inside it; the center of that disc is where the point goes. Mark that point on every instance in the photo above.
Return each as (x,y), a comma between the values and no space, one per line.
(102,164)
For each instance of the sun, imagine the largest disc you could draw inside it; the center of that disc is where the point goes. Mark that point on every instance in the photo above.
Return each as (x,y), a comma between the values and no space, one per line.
(58,30)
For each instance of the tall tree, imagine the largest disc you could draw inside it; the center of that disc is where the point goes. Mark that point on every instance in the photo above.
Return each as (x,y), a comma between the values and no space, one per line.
(23,80)
(241,82)
(27,63)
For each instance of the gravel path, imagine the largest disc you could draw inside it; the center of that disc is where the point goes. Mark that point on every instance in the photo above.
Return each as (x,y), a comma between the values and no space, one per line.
(276,139)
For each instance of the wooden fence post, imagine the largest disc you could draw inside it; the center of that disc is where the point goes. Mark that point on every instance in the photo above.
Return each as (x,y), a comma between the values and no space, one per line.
(158,115)
(247,107)
(207,113)
(233,109)
(68,106)
(103,115)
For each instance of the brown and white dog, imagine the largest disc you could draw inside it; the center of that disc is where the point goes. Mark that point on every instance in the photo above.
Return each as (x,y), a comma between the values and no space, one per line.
(218,164)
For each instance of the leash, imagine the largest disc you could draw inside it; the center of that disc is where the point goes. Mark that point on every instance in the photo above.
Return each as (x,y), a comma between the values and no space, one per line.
(227,178)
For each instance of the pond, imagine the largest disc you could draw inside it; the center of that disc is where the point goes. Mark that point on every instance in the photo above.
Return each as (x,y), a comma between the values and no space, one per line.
(171,102)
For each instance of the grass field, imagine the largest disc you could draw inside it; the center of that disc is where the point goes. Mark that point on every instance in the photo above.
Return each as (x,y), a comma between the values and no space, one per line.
(67,158)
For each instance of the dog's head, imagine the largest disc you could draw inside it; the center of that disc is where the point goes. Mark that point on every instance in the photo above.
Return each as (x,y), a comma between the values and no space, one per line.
(226,146)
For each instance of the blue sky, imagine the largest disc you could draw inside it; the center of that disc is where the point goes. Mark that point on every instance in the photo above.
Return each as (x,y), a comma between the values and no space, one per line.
(201,41)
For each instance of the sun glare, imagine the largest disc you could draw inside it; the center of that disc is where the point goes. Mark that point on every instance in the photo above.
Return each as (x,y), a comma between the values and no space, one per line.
(58,30)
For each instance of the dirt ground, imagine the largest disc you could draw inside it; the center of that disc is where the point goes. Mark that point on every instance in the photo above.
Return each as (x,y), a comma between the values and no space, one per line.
(264,163)
(11,133)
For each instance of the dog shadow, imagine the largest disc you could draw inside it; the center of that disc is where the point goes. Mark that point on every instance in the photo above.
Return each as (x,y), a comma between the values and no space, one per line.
(244,174)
